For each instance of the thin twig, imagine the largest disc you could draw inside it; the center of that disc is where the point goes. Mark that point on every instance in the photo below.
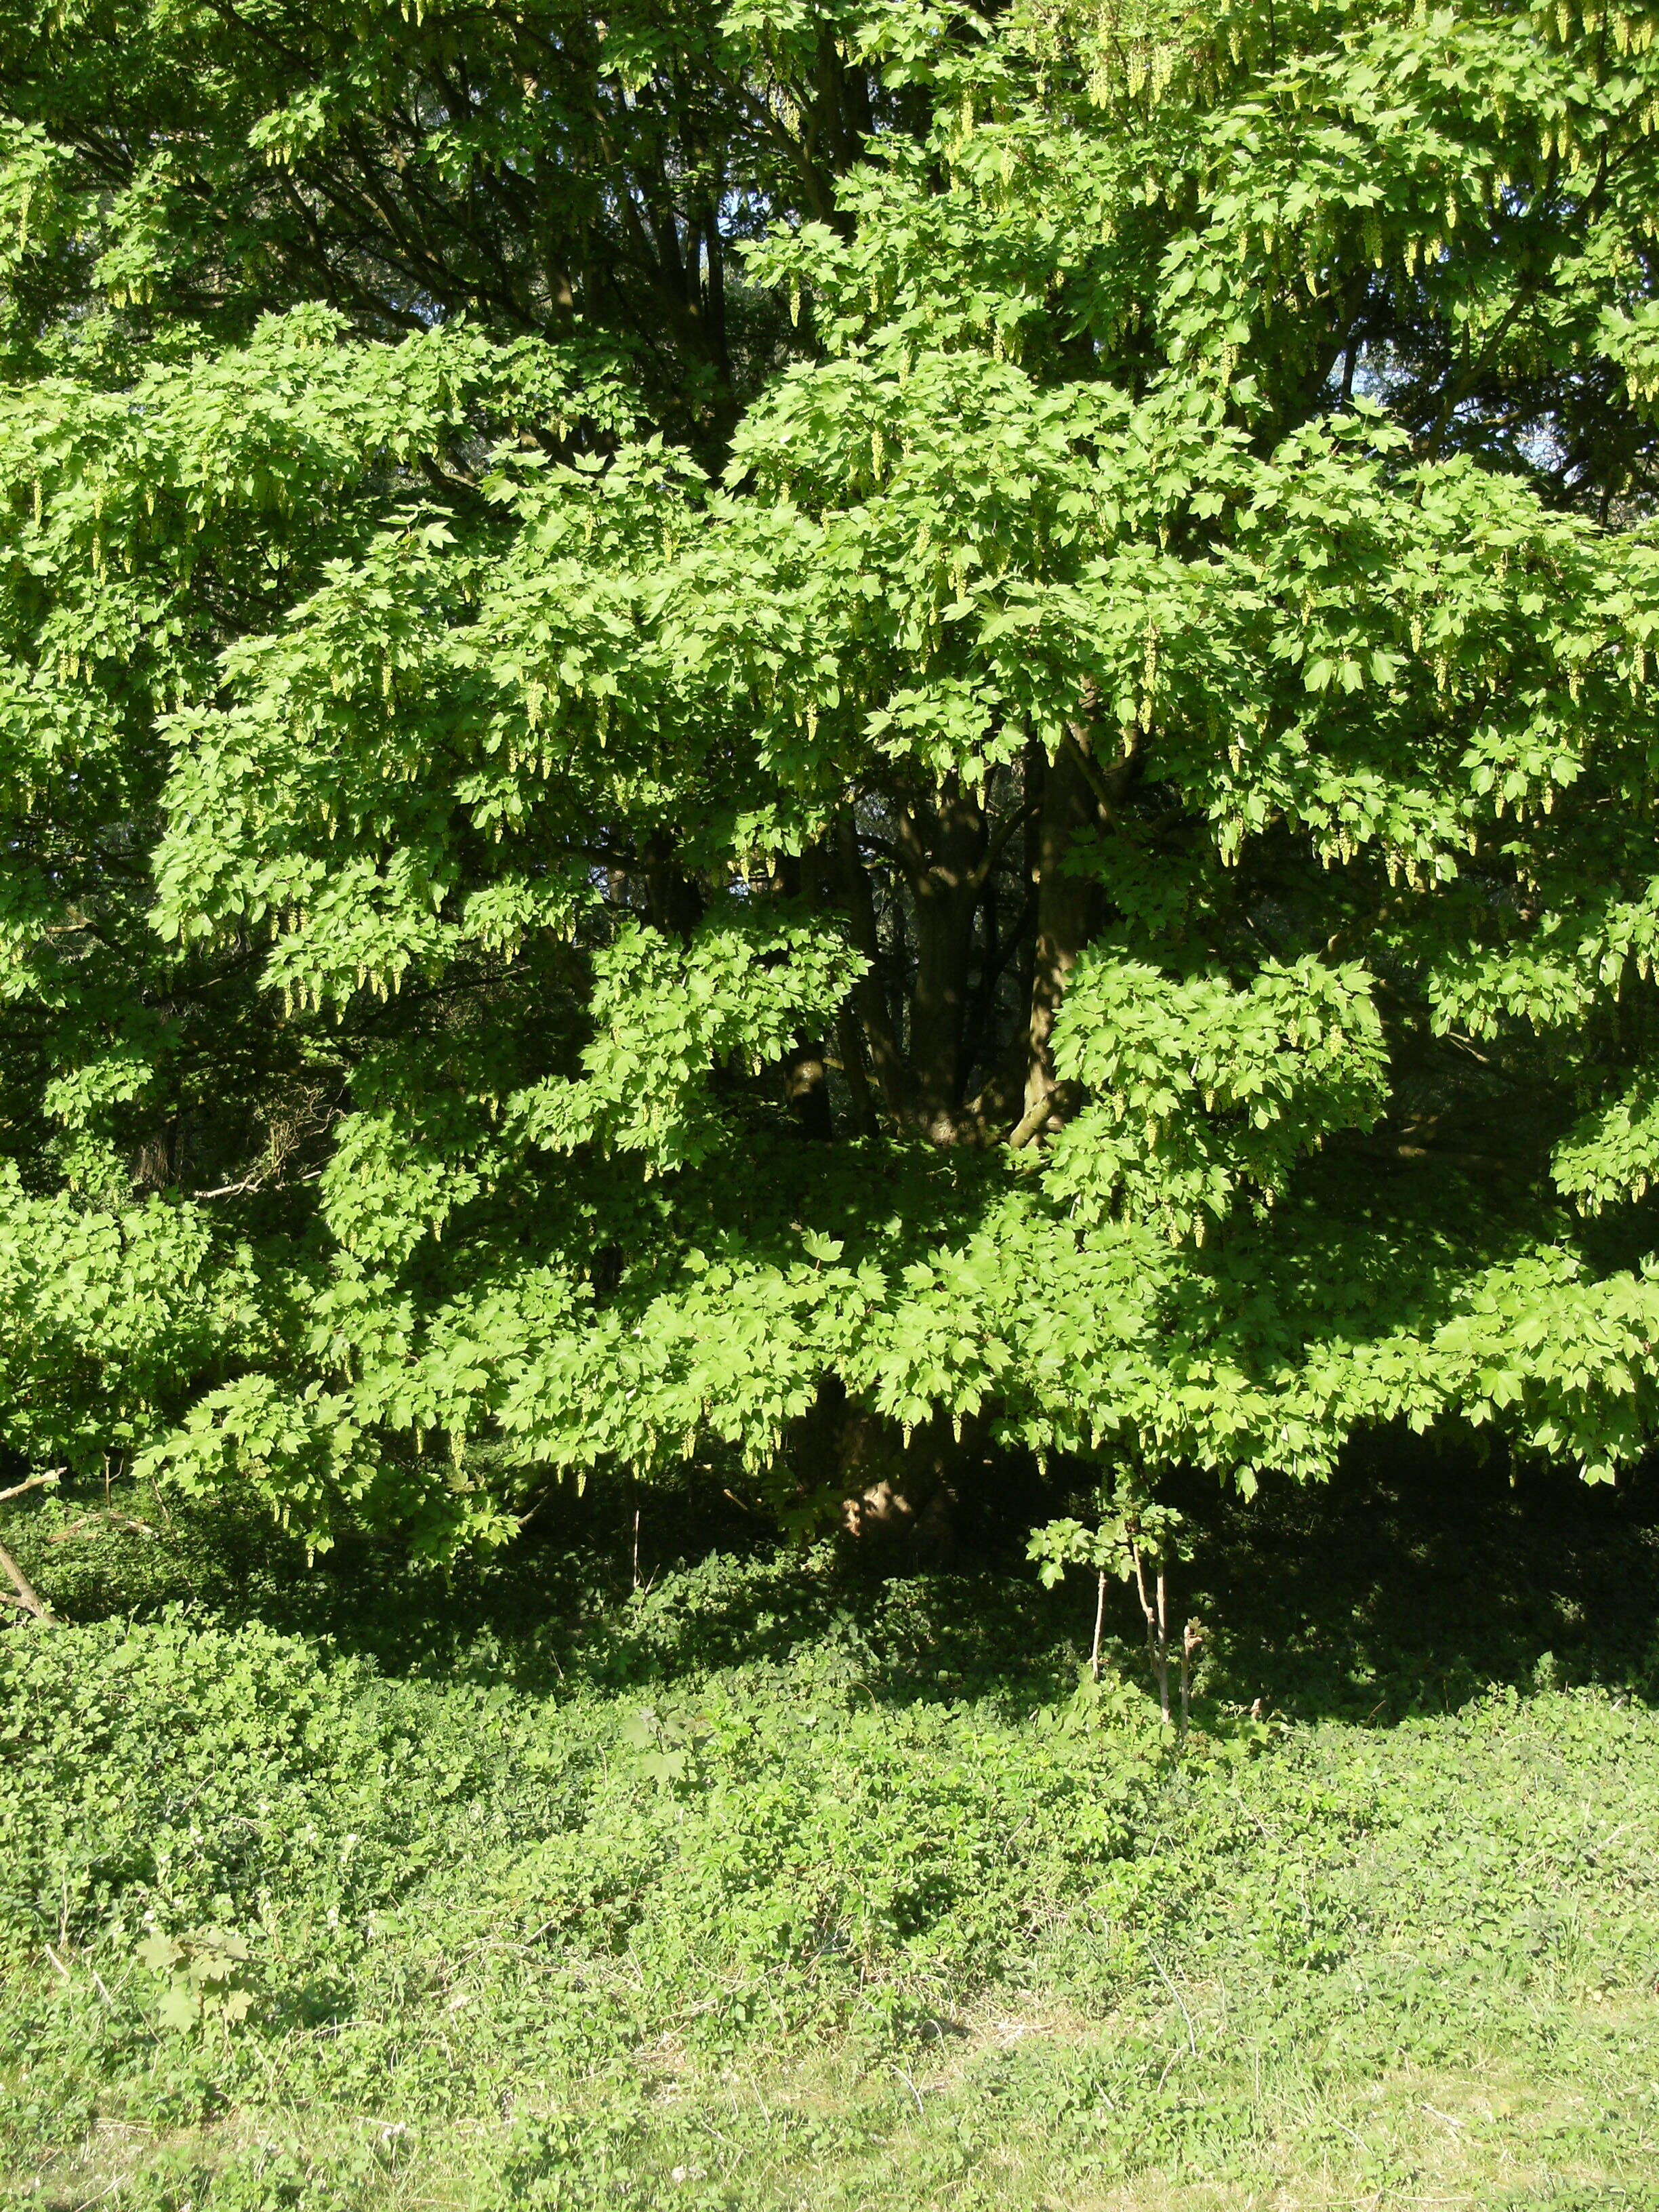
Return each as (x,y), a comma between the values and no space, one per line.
(1191,1636)
(912,2087)
(251,1183)
(1191,2033)
(95,1520)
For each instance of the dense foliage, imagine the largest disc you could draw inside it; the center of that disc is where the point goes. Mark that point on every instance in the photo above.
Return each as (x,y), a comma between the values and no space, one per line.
(790,730)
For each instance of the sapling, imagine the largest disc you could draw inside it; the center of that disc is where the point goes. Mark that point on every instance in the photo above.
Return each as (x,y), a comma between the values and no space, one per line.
(1133,1539)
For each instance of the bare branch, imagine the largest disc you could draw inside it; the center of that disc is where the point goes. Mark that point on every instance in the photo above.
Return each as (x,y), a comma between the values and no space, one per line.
(34,1482)
(1036,1117)
(26,1596)
(86,1521)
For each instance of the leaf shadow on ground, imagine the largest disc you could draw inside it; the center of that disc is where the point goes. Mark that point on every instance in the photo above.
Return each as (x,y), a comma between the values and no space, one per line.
(1410,1584)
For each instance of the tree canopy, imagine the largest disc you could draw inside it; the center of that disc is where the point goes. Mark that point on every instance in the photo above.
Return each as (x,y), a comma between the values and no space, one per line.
(740,727)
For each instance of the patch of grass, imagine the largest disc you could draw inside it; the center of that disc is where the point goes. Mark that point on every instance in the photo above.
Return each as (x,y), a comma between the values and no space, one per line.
(767,1887)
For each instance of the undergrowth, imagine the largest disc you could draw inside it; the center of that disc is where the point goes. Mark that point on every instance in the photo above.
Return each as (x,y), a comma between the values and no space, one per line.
(766,1886)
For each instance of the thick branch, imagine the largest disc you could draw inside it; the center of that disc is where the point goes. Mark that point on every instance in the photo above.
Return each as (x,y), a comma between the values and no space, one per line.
(32,1482)
(23,1593)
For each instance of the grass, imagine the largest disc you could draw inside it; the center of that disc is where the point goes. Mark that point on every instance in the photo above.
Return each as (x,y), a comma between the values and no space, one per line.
(770,1886)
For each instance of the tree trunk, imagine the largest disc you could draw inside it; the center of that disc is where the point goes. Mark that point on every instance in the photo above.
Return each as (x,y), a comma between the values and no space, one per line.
(899,1497)
(942,850)
(870,994)
(806,1088)
(1066,905)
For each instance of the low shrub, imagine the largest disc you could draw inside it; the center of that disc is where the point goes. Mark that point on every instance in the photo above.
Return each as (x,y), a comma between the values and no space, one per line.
(283,1931)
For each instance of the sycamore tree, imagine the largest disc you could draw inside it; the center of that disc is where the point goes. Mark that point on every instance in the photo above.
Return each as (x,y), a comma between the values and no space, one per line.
(823,732)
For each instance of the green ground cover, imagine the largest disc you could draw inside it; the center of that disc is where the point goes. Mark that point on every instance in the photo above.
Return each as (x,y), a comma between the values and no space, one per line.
(768,1885)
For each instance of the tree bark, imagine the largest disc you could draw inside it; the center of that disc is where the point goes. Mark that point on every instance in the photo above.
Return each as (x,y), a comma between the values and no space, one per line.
(941,849)
(870,995)
(1066,909)
(898,1495)
(23,1593)
(806,1088)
